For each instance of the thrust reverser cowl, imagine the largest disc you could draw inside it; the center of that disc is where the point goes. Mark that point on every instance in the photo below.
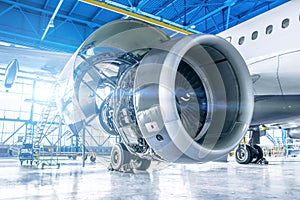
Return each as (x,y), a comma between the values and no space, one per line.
(187,99)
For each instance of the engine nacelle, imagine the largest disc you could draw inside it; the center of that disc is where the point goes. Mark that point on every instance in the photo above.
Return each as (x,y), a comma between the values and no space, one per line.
(187,99)
(294,133)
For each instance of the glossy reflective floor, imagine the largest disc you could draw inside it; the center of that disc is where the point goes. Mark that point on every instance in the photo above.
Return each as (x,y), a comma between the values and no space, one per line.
(278,180)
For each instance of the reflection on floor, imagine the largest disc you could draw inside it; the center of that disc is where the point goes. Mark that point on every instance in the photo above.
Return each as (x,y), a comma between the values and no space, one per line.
(280,179)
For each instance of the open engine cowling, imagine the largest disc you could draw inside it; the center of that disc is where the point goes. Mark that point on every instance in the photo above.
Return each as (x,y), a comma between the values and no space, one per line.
(187,99)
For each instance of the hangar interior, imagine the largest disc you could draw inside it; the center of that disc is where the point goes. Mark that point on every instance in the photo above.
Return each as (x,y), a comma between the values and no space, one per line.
(43,35)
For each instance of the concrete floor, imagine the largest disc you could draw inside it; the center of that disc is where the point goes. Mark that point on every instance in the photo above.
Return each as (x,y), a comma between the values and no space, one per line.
(278,180)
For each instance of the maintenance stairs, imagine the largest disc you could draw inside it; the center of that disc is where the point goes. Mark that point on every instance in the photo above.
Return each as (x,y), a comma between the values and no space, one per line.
(41,125)
(31,150)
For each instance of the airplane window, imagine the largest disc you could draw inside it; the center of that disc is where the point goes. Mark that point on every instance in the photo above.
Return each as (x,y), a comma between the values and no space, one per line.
(254,35)
(269,29)
(241,40)
(228,38)
(285,23)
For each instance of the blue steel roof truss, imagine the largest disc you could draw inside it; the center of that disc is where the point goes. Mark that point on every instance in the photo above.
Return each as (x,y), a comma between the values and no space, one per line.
(24,22)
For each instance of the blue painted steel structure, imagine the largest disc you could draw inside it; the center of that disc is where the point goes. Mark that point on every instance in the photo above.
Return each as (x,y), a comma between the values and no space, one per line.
(62,25)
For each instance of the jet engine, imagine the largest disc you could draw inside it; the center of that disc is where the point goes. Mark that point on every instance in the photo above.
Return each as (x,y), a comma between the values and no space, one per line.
(294,133)
(187,99)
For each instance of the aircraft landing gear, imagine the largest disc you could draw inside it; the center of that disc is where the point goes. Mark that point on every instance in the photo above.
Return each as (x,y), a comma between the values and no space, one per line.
(257,153)
(243,154)
(122,160)
(251,153)
(246,154)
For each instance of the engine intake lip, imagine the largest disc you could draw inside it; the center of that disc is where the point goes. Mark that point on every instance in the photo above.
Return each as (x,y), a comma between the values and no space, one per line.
(178,145)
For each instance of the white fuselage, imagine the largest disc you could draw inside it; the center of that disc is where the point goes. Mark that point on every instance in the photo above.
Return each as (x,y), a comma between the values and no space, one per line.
(271,49)
(270,45)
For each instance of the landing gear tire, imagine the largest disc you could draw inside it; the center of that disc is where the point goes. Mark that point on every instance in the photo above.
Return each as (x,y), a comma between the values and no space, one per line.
(142,164)
(258,153)
(119,156)
(243,154)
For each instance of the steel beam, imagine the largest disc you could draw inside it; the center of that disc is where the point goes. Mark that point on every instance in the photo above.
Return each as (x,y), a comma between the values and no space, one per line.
(228,17)
(105,140)
(48,44)
(13,120)
(258,10)
(91,135)
(73,7)
(189,11)
(164,7)
(7,10)
(141,4)
(33,98)
(83,145)
(29,22)
(46,4)
(149,18)
(228,3)
(14,133)
(42,11)
(51,21)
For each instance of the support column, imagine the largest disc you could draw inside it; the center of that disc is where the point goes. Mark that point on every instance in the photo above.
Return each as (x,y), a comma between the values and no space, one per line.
(83,145)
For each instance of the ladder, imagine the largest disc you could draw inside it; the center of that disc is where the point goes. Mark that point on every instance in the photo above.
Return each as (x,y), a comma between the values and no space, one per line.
(28,134)
(41,124)
(52,126)
(42,131)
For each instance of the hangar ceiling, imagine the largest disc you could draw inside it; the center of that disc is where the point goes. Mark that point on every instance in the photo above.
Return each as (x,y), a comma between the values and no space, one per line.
(62,25)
